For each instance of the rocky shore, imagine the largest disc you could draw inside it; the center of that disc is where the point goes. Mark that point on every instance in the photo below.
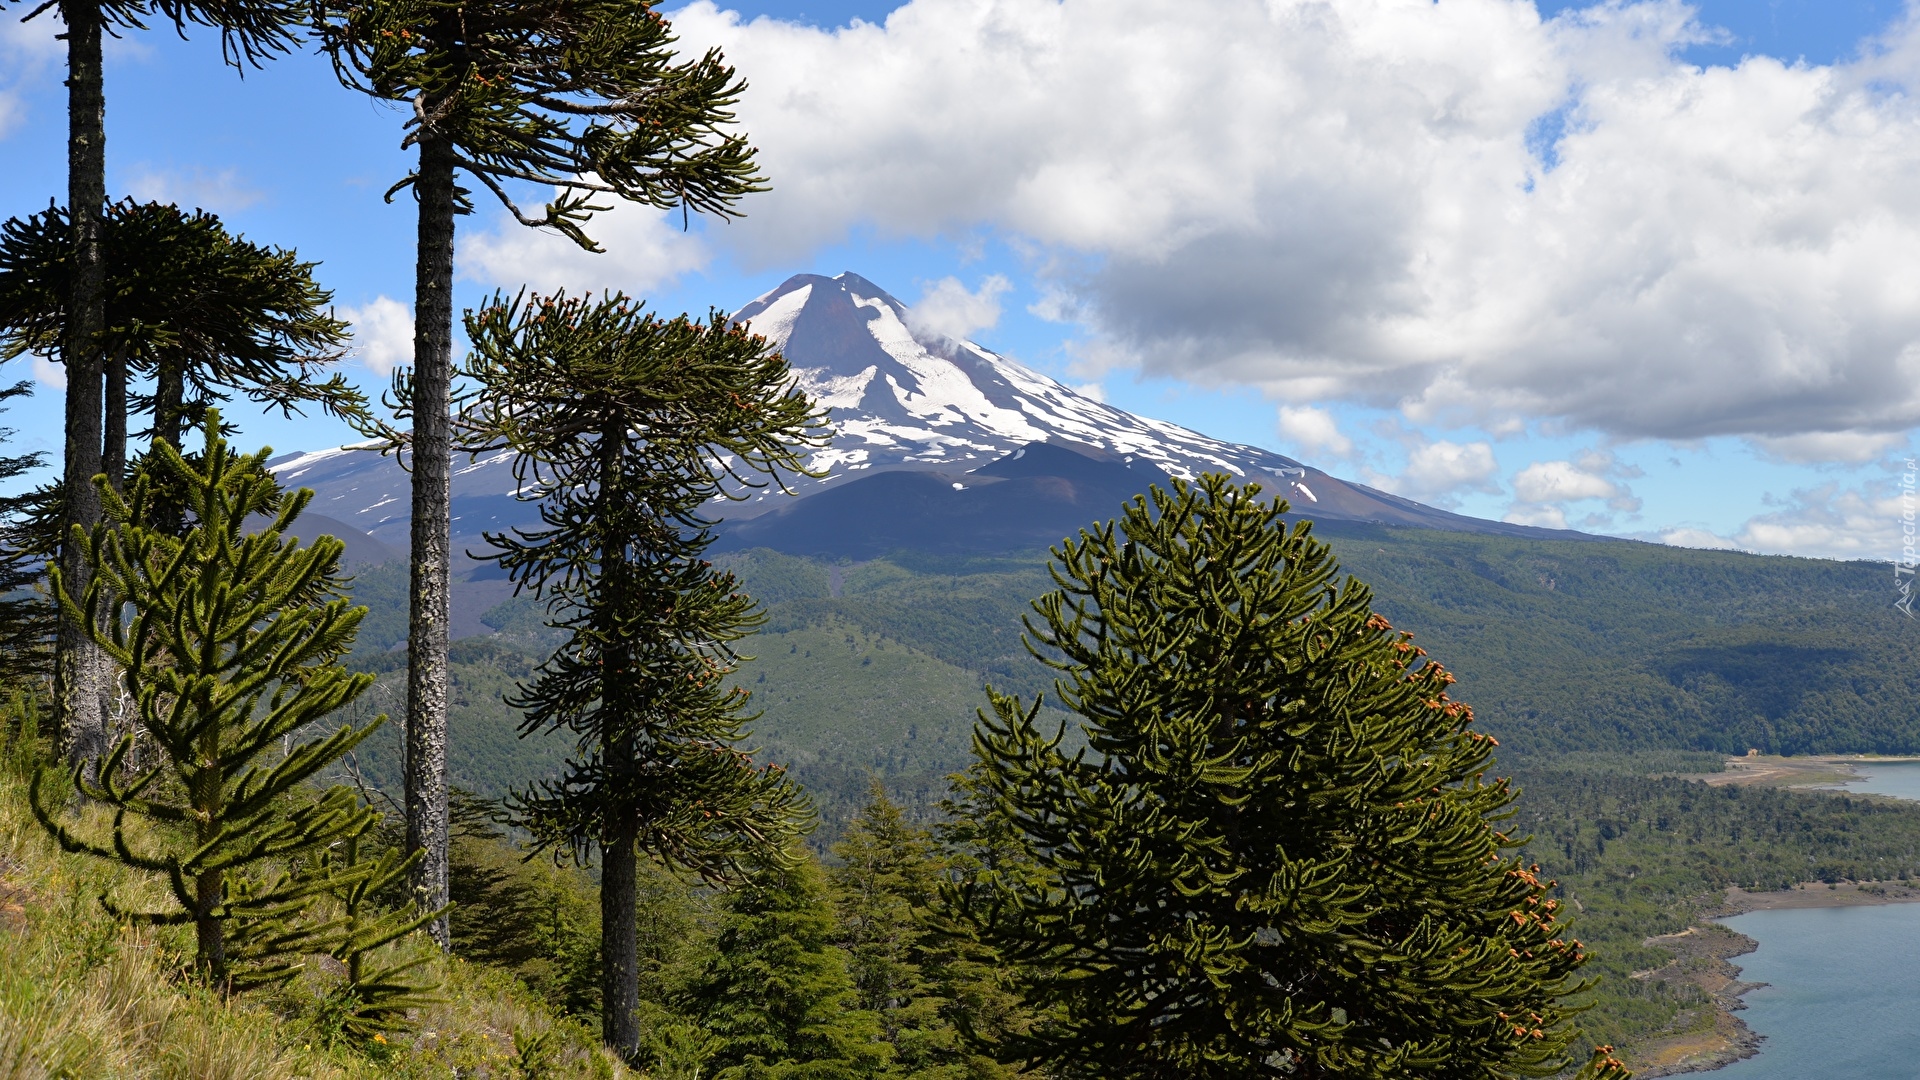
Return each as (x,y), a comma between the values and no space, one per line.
(1702,957)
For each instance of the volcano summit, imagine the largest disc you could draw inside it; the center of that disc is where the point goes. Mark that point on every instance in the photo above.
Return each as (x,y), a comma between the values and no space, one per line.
(936,443)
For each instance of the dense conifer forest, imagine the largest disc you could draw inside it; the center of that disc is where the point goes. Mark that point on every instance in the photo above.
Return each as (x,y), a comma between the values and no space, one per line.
(1194,795)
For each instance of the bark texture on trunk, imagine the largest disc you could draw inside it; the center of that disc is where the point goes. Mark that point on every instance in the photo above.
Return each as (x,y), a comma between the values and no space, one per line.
(169,394)
(619,931)
(169,398)
(210,933)
(80,667)
(113,449)
(428,613)
(620,828)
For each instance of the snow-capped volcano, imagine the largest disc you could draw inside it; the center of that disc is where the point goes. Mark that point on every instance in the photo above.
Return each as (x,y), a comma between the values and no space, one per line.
(902,397)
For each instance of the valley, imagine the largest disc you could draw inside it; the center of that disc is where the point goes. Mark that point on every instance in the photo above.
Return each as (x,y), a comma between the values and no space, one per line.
(1619,677)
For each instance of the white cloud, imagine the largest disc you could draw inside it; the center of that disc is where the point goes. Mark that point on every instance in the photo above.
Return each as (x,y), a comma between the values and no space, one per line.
(1092,391)
(1560,481)
(26,51)
(1439,471)
(1689,537)
(1545,517)
(221,192)
(1829,447)
(1314,431)
(1830,522)
(949,310)
(1543,490)
(382,334)
(1351,201)
(645,248)
(49,374)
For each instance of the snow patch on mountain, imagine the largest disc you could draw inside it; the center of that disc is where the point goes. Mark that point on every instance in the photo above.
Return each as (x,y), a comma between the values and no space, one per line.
(917,400)
(896,399)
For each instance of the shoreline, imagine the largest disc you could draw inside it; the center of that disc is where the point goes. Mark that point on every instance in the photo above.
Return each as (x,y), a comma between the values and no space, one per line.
(1715,1036)
(1814,771)
(1814,894)
(1703,958)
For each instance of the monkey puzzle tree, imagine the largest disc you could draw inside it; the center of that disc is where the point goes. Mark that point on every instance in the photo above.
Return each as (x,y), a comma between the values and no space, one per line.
(250,30)
(375,997)
(26,620)
(201,312)
(624,427)
(583,95)
(232,646)
(1276,854)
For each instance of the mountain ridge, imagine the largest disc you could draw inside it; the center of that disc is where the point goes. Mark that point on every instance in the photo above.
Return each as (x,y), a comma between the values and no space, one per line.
(899,399)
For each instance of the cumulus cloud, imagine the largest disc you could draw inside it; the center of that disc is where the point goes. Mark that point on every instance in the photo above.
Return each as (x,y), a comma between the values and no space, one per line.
(222,191)
(1560,481)
(1824,447)
(1440,471)
(1543,489)
(1357,201)
(26,51)
(1545,517)
(382,334)
(645,249)
(1690,537)
(1314,431)
(1829,521)
(946,307)
(49,374)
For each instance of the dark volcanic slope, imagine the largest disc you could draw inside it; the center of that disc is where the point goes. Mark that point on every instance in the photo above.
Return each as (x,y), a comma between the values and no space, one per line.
(1028,499)
(902,399)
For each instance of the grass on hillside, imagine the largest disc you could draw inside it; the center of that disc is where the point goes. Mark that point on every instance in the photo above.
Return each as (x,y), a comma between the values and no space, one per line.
(83,996)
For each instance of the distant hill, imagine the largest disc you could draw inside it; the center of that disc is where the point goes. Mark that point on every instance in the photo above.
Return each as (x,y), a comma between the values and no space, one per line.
(876,665)
(1559,646)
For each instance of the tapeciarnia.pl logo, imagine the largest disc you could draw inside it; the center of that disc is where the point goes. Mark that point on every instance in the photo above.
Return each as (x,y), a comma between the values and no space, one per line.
(1903,567)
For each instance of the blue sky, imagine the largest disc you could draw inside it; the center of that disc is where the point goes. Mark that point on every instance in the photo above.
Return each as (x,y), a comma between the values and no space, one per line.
(1631,267)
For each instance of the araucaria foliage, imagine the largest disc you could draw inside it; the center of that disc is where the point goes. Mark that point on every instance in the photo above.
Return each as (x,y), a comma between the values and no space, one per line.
(624,426)
(376,995)
(232,646)
(586,95)
(1277,854)
(200,311)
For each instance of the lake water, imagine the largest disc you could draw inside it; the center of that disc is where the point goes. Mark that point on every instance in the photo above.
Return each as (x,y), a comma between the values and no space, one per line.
(1844,999)
(1844,1002)
(1901,779)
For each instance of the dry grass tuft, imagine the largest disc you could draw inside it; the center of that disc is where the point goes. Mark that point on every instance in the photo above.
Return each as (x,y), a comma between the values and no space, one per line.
(85,998)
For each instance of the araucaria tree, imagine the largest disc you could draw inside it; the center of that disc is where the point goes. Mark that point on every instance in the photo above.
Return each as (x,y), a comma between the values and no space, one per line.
(26,620)
(1276,854)
(250,31)
(201,312)
(584,95)
(624,427)
(232,645)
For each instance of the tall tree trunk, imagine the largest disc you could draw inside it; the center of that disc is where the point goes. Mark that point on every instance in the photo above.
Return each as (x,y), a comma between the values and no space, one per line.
(210,933)
(113,449)
(619,930)
(80,666)
(169,398)
(620,832)
(210,886)
(428,613)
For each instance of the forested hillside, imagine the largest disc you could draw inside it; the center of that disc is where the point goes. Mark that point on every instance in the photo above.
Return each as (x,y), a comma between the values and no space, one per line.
(877,667)
(1559,646)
